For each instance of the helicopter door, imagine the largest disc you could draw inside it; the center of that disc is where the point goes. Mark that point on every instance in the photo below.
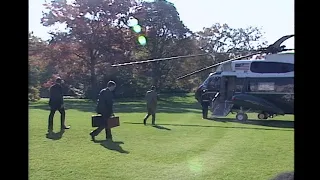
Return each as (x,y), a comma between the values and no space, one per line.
(221,106)
(230,87)
(223,88)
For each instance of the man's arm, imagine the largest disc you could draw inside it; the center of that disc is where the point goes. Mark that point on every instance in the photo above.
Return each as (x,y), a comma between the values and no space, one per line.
(50,95)
(108,102)
(153,96)
(61,93)
(50,92)
(156,97)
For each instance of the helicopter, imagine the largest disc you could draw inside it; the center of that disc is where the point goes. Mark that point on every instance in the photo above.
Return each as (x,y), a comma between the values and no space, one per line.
(264,85)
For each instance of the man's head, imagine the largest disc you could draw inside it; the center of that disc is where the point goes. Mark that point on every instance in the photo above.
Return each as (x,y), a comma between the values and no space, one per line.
(153,87)
(111,85)
(58,80)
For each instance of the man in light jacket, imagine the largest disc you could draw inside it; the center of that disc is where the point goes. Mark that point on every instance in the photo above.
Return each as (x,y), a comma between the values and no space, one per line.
(151,98)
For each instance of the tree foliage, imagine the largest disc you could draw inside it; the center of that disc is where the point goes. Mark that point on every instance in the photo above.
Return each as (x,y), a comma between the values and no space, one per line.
(166,34)
(37,65)
(98,34)
(228,42)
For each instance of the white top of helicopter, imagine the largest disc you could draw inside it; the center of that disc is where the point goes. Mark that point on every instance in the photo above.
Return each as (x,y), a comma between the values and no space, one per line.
(241,68)
(281,57)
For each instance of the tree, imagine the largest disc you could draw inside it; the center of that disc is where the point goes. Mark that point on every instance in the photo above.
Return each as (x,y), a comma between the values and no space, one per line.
(226,42)
(96,32)
(166,36)
(37,65)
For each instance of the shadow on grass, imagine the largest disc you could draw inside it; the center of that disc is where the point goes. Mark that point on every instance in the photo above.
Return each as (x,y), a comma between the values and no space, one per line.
(55,136)
(126,107)
(112,145)
(215,126)
(284,176)
(161,127)
(267,123)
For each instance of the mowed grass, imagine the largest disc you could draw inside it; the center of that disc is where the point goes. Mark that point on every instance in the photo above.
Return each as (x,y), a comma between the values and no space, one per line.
(182,146)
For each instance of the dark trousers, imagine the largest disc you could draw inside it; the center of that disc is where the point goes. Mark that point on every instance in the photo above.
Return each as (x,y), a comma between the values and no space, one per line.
(53,109)
(151,112)
(97,131)
(205,109)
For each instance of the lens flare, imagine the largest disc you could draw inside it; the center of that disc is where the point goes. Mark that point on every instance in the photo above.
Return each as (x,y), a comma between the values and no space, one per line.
(132,22)
(142,40)
(137,28)
(195,165)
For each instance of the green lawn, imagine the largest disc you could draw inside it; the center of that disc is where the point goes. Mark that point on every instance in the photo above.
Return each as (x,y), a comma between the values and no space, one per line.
(182,146)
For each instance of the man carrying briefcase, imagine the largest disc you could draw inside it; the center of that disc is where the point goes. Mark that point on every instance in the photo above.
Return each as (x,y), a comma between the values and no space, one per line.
(105,108)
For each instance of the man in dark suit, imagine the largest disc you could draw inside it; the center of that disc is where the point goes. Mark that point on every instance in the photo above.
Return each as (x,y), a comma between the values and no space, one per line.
(56,103)
(105,108)
(203,100)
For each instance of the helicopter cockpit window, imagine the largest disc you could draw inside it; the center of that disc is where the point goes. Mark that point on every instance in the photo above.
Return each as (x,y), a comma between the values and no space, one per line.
(214,83)
(271,67)
(205,83)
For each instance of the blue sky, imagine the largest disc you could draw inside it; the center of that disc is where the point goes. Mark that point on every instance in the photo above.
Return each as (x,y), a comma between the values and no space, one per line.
(275,17)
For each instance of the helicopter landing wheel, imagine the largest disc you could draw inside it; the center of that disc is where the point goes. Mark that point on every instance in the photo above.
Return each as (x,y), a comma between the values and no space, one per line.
(262,116)
(242,117)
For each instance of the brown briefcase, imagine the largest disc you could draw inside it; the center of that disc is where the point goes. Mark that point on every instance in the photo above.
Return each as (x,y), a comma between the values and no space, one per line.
(98,121)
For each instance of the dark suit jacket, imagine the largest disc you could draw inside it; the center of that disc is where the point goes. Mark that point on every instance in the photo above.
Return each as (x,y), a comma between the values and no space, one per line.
(56,95)
(105,102)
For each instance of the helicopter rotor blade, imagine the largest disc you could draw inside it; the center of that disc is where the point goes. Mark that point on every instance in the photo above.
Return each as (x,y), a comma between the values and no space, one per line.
(159,59)
(214,65)
(288,50)
(195,72)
